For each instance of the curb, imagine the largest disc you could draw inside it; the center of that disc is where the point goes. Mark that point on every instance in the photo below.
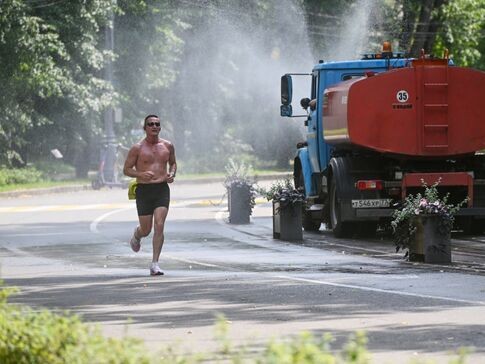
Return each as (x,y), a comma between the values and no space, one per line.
(44,191)
(76,188)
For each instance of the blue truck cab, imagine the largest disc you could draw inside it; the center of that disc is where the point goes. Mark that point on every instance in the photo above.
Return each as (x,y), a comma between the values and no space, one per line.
(313,156)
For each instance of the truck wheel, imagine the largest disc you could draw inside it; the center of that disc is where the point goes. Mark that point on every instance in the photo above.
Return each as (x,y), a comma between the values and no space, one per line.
(340,229)
(308,223)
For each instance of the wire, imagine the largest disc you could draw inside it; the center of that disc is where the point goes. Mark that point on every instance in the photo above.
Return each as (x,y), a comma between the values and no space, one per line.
(48,4)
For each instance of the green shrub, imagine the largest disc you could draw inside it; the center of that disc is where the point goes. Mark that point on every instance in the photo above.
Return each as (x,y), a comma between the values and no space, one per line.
(308,349)
(52,168)
(43,337)
(12,176)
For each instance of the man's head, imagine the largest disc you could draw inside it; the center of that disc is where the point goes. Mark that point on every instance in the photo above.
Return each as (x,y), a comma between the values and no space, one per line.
(151,121)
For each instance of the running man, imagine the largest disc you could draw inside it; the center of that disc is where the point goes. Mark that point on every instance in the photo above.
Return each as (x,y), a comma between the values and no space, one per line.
(147,161)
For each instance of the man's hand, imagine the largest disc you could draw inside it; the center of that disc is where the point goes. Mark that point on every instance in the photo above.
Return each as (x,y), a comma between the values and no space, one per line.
(170,177)
(146,176)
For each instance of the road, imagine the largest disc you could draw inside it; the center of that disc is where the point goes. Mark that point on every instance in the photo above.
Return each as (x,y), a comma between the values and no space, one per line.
(70,251)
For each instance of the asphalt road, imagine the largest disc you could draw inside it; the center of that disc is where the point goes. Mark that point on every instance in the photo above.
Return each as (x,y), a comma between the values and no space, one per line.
(70,251)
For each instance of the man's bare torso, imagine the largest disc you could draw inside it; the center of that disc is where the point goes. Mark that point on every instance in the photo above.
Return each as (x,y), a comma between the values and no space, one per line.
(154,158)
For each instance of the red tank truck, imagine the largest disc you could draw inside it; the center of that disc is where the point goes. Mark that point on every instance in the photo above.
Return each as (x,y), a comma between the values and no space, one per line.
(383,128)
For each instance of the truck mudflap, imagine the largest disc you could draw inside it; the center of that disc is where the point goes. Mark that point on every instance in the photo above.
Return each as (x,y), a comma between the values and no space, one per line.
(306,170)
(443,179)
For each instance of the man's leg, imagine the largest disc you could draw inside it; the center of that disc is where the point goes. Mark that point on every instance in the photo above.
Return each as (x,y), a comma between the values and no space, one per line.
(160,215)
(142,230)
(145,226)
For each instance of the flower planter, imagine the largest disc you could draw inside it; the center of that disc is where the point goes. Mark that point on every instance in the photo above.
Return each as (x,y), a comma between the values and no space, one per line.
(239,202)
(432,242)
(287,221)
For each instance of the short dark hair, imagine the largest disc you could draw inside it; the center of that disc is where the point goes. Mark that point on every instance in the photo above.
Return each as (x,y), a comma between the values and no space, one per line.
(148,117)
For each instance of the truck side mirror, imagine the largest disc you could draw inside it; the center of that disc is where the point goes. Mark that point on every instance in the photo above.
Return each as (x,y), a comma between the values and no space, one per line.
(286,110)
(286,96)
(286,90)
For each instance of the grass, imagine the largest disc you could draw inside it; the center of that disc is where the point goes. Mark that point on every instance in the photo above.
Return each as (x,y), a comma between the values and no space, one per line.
(43,184)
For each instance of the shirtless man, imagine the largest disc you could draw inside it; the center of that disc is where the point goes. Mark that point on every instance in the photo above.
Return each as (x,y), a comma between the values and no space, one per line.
(147,161)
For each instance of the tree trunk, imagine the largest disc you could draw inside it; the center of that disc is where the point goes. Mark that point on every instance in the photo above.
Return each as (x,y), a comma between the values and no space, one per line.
(408,25)
(422,30)
(434,26)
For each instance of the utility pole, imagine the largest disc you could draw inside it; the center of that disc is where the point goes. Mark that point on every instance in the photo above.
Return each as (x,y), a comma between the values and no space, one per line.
(110,151)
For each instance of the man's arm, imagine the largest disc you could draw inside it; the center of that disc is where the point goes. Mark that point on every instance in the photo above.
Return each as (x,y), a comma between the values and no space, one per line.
(130,162)
(172,163)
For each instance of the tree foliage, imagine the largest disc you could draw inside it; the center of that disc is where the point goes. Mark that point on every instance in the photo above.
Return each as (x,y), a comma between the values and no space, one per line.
(29,52)
(51,65)
(463,32)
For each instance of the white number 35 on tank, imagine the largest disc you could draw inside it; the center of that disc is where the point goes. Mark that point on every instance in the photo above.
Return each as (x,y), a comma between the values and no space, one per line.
(402,96)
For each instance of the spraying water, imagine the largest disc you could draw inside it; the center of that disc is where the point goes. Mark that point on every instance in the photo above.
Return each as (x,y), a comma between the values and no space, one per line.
(225,102)
(355,33)
(229,82)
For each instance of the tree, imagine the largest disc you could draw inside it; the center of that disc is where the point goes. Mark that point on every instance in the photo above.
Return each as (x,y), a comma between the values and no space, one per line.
(29,49)
(51,66)
(463,32)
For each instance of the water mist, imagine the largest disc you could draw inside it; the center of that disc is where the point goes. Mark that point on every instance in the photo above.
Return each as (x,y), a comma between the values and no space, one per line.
(229,84)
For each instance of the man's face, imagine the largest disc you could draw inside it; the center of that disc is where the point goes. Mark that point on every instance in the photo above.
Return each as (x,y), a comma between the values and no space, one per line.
(152,126)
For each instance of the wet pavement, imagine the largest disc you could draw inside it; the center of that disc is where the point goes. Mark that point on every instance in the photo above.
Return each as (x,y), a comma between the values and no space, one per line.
(70,251)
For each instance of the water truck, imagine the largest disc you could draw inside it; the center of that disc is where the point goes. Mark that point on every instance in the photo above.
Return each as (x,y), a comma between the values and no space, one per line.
(377,128)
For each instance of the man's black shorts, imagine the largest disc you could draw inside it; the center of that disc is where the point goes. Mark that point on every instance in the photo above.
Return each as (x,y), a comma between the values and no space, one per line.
(149,196)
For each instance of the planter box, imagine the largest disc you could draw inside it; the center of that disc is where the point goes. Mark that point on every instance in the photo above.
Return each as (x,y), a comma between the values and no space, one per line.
(430,245)
(239,202)
(287,222)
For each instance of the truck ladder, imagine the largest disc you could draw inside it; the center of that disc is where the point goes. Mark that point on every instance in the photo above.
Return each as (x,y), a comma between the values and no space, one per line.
(434,108)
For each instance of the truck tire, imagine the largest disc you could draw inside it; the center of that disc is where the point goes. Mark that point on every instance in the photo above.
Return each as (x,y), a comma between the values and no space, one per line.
(340,229)
(308,223)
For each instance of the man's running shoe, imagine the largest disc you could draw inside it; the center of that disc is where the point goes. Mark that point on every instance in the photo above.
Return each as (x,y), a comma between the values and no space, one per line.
(155,270)
(135,242)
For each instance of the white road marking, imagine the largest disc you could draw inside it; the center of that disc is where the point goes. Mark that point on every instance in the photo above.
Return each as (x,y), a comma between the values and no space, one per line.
(218,216)
(339,285)
(105,206)
(46,234)
(54,208)
(370,289)
(220,219)
(190,261)
(93,227)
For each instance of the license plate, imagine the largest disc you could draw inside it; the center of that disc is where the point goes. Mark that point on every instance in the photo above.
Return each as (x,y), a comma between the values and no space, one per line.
(366,204)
